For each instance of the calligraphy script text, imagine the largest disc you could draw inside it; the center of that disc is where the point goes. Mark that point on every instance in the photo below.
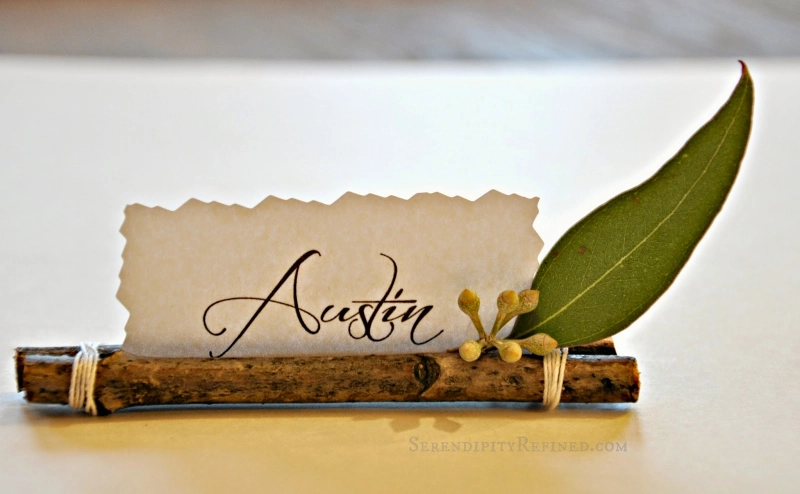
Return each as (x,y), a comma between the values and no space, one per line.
(361,321)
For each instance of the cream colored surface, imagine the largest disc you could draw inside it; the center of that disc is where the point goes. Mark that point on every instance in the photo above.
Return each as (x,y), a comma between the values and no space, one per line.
(270,280)
(718,353)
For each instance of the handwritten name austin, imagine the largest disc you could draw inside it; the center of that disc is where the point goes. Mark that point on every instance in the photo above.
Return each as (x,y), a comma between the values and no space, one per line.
(361,323)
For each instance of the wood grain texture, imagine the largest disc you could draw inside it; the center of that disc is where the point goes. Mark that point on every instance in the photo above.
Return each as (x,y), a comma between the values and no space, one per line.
(594,374)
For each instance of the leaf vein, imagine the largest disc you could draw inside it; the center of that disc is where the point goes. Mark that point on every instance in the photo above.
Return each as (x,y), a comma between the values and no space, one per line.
(652,232)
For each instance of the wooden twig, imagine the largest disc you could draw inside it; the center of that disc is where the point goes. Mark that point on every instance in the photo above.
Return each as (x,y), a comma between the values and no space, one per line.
(594,374)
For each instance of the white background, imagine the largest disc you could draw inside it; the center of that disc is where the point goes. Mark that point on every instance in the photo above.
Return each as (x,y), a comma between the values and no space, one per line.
(718,353)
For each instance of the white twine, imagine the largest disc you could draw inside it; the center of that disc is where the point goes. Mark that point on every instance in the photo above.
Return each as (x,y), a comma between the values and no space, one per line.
(554,363)
(84,373)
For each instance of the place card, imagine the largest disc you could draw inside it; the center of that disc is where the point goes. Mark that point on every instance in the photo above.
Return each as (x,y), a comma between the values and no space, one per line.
(364,275)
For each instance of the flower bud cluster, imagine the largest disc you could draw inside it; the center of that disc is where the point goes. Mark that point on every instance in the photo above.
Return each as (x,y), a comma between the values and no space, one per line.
(510,304)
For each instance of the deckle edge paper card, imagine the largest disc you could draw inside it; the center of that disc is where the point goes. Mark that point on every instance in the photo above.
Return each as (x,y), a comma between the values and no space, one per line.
(363,275)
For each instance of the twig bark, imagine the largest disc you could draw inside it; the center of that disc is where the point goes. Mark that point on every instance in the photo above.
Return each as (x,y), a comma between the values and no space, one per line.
(594,374)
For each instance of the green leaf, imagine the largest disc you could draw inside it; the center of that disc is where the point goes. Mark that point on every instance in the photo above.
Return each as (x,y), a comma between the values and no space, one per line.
(610,267)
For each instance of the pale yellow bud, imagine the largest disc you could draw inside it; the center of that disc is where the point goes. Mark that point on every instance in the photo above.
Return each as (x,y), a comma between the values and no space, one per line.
(508,301)
(470,350)
(469,302)
(510,351)
(528,300)
(539,344)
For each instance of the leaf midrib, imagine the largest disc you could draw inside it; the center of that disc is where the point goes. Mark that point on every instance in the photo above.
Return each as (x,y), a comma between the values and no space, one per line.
(647,237)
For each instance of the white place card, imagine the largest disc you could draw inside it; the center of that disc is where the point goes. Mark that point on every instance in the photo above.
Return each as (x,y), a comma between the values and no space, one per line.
(364,275)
